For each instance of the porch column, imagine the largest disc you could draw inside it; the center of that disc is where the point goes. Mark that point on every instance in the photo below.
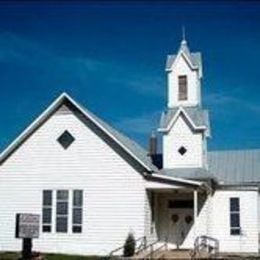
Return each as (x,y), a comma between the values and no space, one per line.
(195,211)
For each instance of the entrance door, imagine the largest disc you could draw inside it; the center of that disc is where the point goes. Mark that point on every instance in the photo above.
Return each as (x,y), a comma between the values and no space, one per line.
(180,222)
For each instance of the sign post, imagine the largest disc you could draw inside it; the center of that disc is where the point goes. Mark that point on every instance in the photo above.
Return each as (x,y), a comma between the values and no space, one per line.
(27,228)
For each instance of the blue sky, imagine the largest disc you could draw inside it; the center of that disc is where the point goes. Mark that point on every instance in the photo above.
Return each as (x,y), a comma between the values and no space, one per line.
(111,57)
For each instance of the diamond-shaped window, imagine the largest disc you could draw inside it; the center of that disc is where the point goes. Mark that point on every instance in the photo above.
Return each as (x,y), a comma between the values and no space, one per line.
(66,139)
(182,150)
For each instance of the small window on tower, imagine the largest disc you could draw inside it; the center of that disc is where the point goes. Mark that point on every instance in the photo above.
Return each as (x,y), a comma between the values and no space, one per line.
(183,88)
(182,150)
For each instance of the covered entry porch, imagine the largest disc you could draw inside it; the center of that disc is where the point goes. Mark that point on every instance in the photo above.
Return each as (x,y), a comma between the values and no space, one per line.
(178,212)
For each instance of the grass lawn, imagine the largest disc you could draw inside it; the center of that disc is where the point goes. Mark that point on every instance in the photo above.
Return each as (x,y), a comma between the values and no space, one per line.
(15,256)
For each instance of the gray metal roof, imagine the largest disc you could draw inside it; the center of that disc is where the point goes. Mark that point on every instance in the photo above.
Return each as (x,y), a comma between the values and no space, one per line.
(233,167)
(236,166)
(197,115)
(132,146)
(188,173)
(195,58)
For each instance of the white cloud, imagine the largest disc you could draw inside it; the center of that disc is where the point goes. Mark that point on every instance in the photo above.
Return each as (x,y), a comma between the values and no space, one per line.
(224,100)
(26,52)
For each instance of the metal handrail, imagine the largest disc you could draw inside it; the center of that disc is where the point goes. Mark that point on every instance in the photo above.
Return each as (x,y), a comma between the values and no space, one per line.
(205,241)
(164,245)
(143,244)
(150,253)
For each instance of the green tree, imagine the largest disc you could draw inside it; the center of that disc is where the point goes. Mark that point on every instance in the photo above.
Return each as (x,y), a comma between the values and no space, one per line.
(129,246)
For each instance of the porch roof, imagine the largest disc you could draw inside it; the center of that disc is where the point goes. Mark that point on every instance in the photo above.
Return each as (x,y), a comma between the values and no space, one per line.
(155,180)
(188,173)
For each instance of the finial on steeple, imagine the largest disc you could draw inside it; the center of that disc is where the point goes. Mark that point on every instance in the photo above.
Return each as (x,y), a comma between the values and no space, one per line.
(183,42)
(183,33)
(184,46)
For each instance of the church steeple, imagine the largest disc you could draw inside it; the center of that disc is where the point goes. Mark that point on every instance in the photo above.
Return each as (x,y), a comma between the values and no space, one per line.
(184,125)
(184,71)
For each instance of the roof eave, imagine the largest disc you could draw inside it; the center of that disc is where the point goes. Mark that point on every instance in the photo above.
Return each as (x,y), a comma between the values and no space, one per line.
(47,112)
(180,180)
(198,128)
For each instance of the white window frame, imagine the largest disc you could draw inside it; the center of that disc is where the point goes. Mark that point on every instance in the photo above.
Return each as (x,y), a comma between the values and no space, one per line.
(54,215)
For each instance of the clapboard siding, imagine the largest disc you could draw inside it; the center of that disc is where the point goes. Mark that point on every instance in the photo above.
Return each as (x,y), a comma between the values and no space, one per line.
(220,221)
(114,193)
(182,135)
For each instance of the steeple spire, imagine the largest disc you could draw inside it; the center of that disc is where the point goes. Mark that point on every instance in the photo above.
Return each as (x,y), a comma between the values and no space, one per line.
(183,35)
(184,47)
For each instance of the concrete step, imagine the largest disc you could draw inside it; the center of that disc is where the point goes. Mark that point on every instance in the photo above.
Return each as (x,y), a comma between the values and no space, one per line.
(175,254)
(165,254)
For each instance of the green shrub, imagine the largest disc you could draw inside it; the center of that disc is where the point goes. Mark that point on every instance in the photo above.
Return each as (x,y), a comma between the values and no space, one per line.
(129,246)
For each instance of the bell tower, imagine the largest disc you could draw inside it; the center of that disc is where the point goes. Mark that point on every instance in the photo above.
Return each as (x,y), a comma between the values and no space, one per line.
(184,125)
(184,74)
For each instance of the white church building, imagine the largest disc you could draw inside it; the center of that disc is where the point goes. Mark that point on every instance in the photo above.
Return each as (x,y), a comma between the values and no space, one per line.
(92,185)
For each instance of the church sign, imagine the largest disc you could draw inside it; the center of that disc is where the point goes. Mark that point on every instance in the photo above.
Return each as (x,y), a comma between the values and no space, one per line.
(27,225)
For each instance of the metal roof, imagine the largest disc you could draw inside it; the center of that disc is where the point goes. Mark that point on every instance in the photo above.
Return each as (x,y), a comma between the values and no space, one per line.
(235,166)
(135,148)
(189,173)
(136,152)
(197,115)
(195,58)
(231,167)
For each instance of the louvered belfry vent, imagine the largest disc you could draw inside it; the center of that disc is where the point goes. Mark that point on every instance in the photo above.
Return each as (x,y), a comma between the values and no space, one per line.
(182,150)
(66,139)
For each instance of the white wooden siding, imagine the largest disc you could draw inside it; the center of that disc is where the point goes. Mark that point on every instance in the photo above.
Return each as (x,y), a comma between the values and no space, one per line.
(182,135)
(114,192)
(220,221)
(214,220)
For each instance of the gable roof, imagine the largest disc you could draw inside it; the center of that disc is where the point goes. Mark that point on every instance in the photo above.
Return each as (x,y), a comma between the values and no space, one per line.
(133,149)
(236,167)
(195,59)
(198,117)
